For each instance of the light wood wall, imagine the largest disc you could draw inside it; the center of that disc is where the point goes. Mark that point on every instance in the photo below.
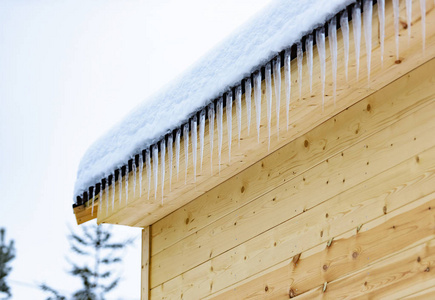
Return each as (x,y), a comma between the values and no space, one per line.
(345,210)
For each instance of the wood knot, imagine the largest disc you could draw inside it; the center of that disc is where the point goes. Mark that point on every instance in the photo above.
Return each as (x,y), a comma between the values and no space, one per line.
(266,288)
(296,258)
(325,267)
(369,107)
(242,190)
(355,255)
(187,221)
(306,143)
(327,215)
(398,61)
(427,269)
(291,293)
(417,159)
(418,259)
(365,283)
(384,209)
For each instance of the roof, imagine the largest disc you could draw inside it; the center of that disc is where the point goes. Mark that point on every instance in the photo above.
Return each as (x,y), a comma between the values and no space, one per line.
(277,27)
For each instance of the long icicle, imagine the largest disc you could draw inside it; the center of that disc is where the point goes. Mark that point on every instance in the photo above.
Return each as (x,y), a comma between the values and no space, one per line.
(148,166)
(408,4)
(100,199)
(309,52)
(177,150)
(332,34)
(356,21)
(248,90)
(368,12)
(229,109)
(239,111)
(201,136)
(210,112)
(381,18)
(268,73)
(287,78)
(320,41)
(113,191)
(120,186)
(396,25)
(257,99)
(93,200)
(300,57)
(344,24)
(186,149)
(194,133)
(107,195)
(423,22)
(277,82)
(170,158)
(126,184)
(219,117)
(155,153)
(140,173)
(162,162)
(134,171)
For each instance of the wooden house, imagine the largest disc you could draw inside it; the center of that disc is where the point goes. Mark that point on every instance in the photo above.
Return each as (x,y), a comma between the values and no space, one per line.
(338,203)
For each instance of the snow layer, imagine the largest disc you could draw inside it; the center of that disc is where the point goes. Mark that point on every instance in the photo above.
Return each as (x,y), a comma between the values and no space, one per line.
(278,26)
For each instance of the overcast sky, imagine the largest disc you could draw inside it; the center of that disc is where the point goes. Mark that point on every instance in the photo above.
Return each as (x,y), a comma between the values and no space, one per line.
(69,70)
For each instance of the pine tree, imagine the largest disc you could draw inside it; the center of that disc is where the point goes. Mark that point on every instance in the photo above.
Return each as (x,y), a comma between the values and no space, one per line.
(96,270)
(7,254)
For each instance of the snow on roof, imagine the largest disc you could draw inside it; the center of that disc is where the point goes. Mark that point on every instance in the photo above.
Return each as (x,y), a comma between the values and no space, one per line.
(277,27)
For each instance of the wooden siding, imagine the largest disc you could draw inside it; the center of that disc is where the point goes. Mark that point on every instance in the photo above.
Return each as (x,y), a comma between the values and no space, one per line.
(366,190)
(342,207)
(305,114)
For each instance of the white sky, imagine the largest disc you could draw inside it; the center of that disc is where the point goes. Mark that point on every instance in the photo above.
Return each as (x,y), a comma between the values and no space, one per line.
(69,70)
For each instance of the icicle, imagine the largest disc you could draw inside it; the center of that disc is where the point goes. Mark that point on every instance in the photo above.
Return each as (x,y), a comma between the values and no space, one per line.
(170,157)
(100,199)
(368,12)
(300,56)
(155,154)
(239,110)
(93,203)
(248,89)
(186,149)
(396,25)
(320,41)
(113,191)
(344,24)
(140,174)
(381,17)
(219,115)
(277,82)
(210,112)
(229,107)
(332,34)
(194,132)
(257,99)
(107,195)
(287,78)
(126,184)
(120,186)
(201,136)
(309,51)
(269,98)
(408,17)
(356,20)
(423,22)
(134,176)
(177,150)
(148,166)
(162,159)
